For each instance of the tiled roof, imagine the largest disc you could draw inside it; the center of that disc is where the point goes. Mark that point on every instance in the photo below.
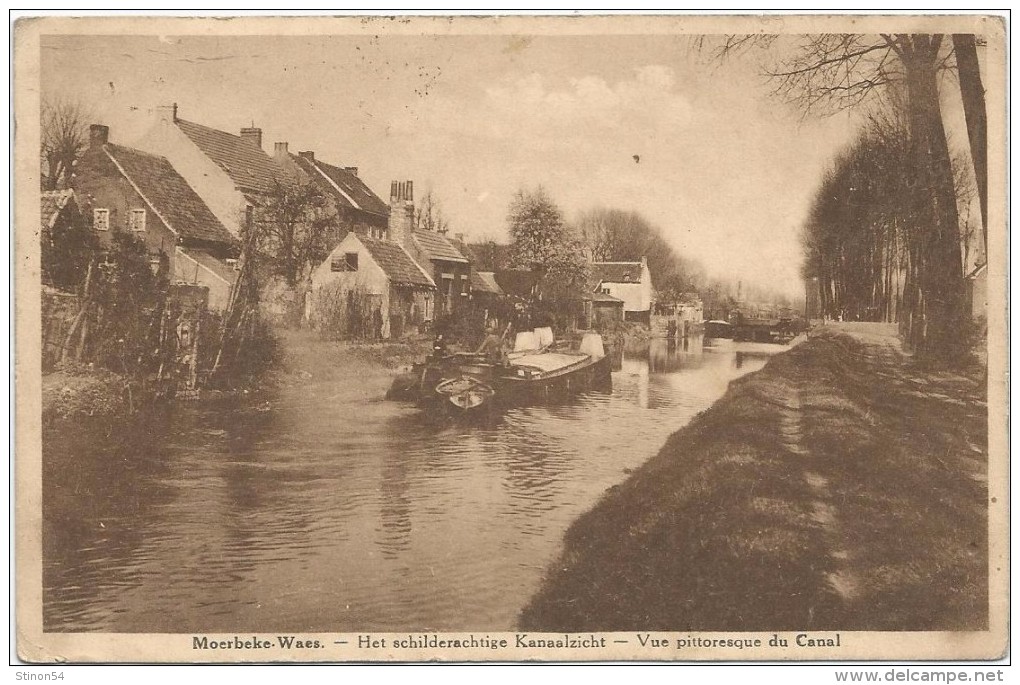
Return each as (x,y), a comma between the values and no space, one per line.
(396,263)
(350,190)
(486,255)
(604,297)
(437,247)
(248,166)
(485,281)
(616,272)
(220,268)
(52,203)
(170,195)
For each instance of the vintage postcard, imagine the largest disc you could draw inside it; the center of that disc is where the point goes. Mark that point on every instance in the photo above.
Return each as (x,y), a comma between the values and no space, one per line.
(586,338)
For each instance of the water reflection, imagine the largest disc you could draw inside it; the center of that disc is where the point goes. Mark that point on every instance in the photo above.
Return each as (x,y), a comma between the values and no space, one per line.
(325,510)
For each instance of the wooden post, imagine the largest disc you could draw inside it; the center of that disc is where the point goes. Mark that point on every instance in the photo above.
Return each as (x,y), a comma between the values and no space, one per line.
(80,316)
(193,375)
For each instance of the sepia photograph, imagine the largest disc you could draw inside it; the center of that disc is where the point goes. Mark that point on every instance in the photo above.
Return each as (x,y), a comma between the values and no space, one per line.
(654,338)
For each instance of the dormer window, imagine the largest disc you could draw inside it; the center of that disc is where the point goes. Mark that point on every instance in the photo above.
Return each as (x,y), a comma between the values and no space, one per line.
(136,220)
(101,219)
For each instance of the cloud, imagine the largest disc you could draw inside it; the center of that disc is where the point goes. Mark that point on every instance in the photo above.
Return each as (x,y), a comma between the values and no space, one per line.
(586,103)
(556,113)
(656,76)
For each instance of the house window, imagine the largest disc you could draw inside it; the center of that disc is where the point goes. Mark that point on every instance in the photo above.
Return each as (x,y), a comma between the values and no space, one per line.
(136,220)
(349,262)
(101,219)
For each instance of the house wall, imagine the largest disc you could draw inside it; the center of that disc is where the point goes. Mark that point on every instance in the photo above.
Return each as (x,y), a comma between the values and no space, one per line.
(636,296)
(209,181)
(409,309)
(694,313)
(607,314)
(188,271)
(100,185)
(647,287)
(369,278)
(451,287)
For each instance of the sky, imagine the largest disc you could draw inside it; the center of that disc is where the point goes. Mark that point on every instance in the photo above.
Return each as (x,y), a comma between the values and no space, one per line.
(644,123)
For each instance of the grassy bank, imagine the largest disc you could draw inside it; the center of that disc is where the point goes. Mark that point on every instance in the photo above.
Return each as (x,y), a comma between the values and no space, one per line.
(69,394)
(841,487)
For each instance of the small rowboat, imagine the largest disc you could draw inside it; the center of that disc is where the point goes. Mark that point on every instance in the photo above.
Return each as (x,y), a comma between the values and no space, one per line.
(465,392)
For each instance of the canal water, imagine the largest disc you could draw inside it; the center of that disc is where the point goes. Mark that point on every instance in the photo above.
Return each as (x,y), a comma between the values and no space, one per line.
(323,511)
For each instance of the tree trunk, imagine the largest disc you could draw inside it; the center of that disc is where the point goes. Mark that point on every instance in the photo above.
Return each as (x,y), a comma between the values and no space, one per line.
(940,272)
(972,93)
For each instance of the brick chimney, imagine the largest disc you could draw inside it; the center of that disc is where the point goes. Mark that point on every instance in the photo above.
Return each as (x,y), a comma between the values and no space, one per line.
(401,225)
(308,154)
(253,134)
(353,170)
(167,113)
(98,135)
(280,150)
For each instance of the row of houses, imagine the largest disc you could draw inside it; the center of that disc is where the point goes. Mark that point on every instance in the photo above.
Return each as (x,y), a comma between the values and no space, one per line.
(189,191)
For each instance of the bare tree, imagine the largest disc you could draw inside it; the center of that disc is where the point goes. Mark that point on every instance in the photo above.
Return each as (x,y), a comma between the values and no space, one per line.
(65,136)
(616,235)
(826,73)
(294,226)
(428,215)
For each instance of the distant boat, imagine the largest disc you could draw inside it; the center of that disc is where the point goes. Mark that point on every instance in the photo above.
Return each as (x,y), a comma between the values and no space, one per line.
(718,329)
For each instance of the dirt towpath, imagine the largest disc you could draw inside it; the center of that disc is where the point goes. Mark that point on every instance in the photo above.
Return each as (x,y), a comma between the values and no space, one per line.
(844,487)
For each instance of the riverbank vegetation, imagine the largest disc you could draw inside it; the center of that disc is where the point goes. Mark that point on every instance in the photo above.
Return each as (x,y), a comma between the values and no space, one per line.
(122,336)
(844,486)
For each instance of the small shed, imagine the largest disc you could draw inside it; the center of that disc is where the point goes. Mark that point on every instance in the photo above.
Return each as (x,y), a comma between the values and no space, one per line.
(602,310)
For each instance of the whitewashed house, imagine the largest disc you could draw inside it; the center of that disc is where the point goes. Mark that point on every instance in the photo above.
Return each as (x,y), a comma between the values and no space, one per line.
(627,281)
(229,172)
(398,292)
